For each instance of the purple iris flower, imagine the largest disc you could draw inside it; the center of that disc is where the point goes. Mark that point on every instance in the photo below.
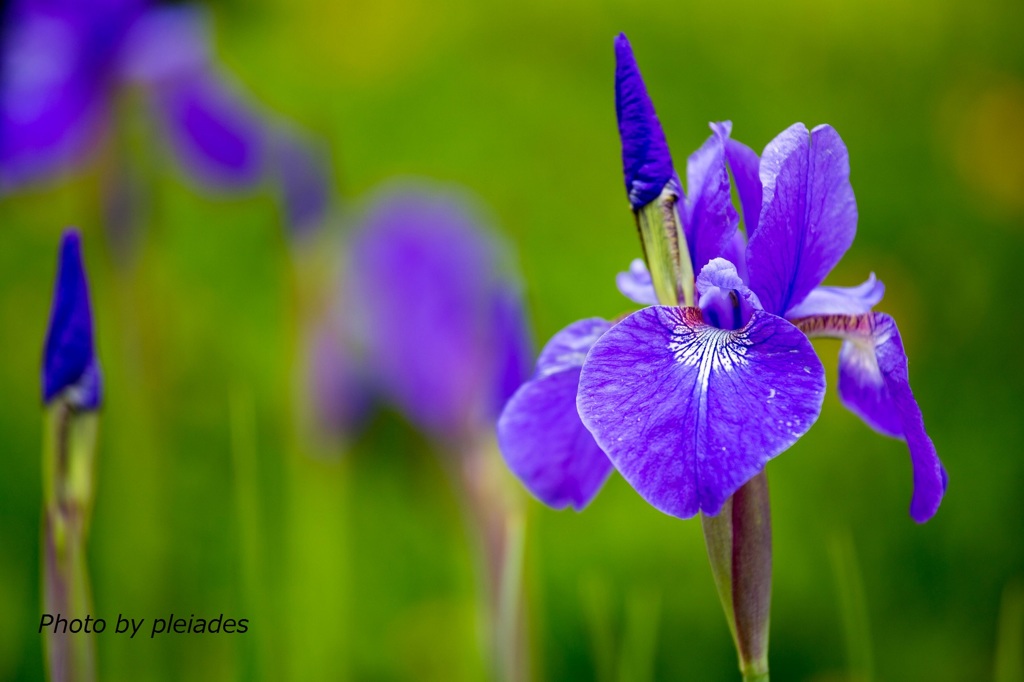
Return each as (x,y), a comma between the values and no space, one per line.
(70,367)
(438,311)
(65,61)
(690,402)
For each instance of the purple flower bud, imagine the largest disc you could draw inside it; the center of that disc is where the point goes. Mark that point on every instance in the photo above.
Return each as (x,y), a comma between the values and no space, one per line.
(646,160)
(69,358)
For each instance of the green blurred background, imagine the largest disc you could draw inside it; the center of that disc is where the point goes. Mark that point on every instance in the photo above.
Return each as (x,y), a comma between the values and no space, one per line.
(209,502)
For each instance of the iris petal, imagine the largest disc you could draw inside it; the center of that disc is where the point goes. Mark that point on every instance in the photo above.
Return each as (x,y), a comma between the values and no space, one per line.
(874,383)
(743,163)
(840,300)
(723,297)
(635,284)
(540,433)
(689,413)
(864,390)
(568,348)
(808,218)
(709,218)
(736,253)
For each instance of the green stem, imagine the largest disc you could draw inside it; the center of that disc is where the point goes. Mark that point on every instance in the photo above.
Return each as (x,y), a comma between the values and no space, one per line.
(316,473)
(68,450)
(739,542)
(497,517)
(250,526)
(1009,664)
(508,619)
(852,607)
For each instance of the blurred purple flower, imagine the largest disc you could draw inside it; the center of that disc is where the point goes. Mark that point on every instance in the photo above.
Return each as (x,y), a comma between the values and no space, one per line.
(69,357)
(64,62)
(690,403)
(439,314)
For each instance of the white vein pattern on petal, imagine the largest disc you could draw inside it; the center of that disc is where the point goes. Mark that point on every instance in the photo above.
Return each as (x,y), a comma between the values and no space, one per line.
(711,350)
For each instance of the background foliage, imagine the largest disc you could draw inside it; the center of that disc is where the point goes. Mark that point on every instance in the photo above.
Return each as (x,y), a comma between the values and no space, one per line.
(209,502)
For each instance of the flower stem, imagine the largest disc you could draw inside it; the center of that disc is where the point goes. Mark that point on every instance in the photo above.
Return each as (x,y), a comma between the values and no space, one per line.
(68,451)
(250,527)
(497,517)
(852,606)
(739,542)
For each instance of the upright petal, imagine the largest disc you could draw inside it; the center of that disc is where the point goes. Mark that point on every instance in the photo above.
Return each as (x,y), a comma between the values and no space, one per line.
(874,383)
(709,218)
(808,218)
(736,253)
(636,285)
(69,357)
(840,300)
(540,433)
(687,412)
(744,164)
(785,144)
(646,161)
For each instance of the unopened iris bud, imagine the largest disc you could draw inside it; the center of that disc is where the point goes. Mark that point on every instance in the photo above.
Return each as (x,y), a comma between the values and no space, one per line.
(69,358)
(646,160)
(651,182)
